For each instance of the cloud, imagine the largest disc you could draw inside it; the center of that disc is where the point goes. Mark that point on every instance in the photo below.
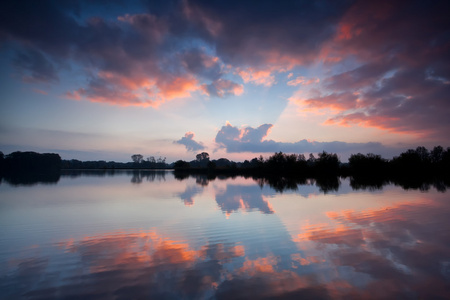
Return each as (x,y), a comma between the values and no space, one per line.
(255,35)
(301,80)
(222,88)
(392,54)
(155,46)
(189,143)
(402,79)
(126,60)
(258,77)
(35,67)
(335,101)
(38,91)
(201,64)
(249,139)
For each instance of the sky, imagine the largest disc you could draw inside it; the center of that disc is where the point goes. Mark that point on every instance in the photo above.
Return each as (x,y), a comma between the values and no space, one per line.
(102,80)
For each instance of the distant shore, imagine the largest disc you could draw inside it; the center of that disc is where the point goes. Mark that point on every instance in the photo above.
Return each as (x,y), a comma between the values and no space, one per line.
(418,164)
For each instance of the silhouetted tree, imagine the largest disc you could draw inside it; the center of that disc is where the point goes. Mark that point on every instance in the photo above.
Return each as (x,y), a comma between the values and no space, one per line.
(137,158)
(436,155)
(2,158)
(411,162)
(32,161)
(181,164)
(201,160)
(369,165)
(327,164)
(202,157)
(223,163)
(211,165)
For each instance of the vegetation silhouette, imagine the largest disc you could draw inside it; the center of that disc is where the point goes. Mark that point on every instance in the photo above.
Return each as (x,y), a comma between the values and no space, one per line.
(28,168)
(137,162)
(415,168)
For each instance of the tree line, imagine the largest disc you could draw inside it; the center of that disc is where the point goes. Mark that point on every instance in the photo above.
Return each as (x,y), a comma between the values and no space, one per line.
(137,162)
(413,162)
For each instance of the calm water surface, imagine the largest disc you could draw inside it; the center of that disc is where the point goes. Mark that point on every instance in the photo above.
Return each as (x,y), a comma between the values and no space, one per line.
(148,235)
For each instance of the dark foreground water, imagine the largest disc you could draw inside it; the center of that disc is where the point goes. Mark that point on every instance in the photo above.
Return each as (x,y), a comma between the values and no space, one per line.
(148,235)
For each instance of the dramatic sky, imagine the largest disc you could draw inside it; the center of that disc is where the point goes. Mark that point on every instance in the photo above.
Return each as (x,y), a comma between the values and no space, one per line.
(106,79)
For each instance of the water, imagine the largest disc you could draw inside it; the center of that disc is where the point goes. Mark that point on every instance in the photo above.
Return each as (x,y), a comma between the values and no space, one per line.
(149,235)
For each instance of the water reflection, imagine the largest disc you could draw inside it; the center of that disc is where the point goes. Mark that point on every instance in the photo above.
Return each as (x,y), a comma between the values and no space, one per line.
(328,184)
(150,265)
(396,252)
(234,238)
(188,195)
(246,198)
(278,183)
(374,254)
(137,176)
(30,178)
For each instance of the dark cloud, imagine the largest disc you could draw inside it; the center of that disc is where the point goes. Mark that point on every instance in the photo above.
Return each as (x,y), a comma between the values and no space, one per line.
(402,83)
(45,25)
(128,59)
(149,47)
(202,64)
(35,67)
(189,143)
(249,139)
(263,32)
(399,50)
(222,88)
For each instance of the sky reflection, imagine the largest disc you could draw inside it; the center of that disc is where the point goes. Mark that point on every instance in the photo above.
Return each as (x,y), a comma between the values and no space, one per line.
(227,239)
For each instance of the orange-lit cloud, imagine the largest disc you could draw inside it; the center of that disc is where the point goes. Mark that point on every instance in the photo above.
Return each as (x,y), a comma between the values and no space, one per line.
(336,103)
(142,91)
(258,77)
(179,87)
(393,54)
(303,81)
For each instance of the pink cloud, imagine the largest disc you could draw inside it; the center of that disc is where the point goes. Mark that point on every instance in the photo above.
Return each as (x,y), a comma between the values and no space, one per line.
(111,96)
(40,92)
(140,90)
(74,95)
(334,101)
(178,87)
(258,77)
(302,80)
(391,124)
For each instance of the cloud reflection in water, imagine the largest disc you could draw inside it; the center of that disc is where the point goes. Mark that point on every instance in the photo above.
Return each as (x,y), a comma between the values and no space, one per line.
(400,250)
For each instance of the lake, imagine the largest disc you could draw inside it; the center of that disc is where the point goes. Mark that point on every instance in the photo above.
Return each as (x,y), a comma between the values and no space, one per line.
(150,235)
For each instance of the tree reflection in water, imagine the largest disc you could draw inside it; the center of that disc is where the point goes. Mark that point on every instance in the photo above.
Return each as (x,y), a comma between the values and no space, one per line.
(400,250)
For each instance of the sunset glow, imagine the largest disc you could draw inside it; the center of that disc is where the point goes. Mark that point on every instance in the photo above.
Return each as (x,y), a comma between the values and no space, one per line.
(101,82)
